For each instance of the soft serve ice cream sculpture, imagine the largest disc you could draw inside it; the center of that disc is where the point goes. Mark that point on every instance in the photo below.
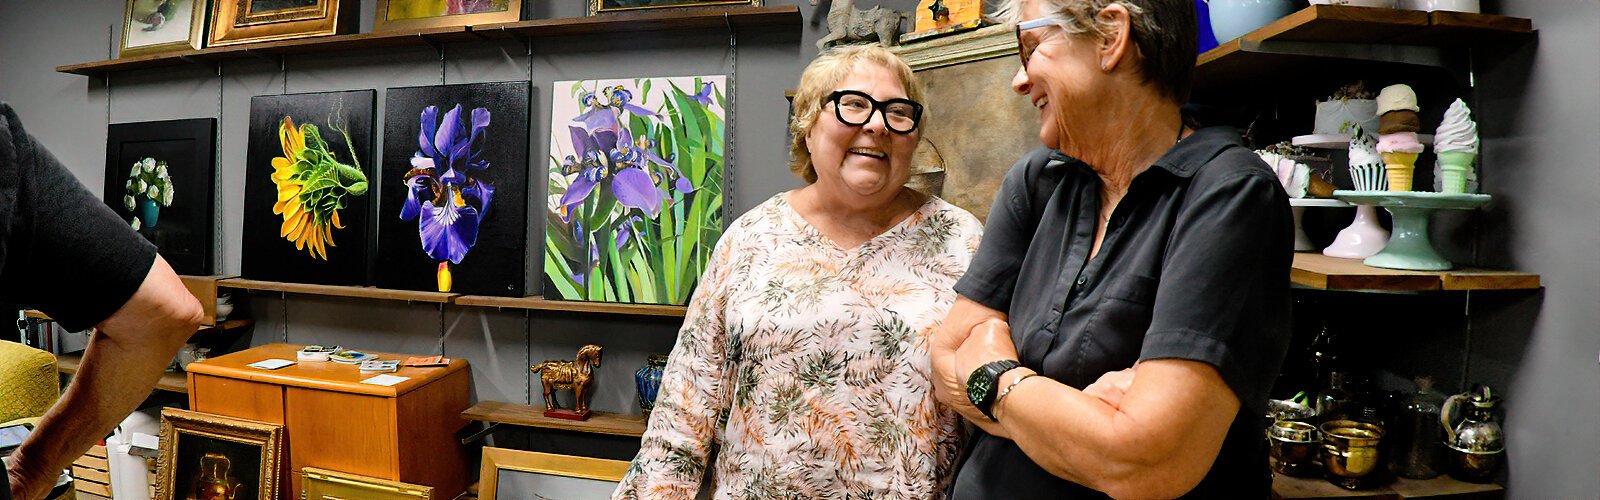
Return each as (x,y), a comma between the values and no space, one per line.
(1456,144)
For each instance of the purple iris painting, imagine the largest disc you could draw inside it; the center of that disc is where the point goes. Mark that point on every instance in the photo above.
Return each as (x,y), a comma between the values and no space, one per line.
(445,192)
(635,188)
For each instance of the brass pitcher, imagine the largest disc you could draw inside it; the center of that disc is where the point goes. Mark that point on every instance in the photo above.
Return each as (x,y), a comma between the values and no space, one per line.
(216,481)
(1477,442)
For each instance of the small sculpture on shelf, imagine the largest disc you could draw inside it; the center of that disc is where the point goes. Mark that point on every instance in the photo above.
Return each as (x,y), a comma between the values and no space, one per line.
(577,375)
(849,25)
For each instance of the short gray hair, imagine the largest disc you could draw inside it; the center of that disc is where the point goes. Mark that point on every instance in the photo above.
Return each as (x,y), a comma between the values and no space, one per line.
(1165,34)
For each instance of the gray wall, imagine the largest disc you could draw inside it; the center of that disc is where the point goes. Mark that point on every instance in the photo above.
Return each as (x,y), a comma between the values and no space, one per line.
(1538,112)
(1537,109)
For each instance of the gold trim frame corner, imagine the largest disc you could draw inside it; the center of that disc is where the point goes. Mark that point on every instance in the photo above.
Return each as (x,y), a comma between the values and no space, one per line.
(497,459)
(176,423)
(232,23)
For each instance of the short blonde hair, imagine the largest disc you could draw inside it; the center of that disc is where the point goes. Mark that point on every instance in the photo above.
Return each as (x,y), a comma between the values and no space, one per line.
(821,78)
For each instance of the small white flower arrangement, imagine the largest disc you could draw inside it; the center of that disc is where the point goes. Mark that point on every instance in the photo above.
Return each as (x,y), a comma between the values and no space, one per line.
(149,179)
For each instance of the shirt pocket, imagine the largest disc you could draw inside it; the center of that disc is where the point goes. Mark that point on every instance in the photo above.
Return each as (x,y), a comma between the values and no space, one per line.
(1121,318)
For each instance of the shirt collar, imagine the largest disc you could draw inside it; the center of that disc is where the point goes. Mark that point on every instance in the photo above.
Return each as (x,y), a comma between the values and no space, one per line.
(1186,157)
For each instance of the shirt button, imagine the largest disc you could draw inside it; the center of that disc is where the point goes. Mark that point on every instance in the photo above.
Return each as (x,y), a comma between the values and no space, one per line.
(1082,280)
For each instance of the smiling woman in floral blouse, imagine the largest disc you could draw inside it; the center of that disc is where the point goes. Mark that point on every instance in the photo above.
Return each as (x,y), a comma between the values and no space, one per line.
(803,359)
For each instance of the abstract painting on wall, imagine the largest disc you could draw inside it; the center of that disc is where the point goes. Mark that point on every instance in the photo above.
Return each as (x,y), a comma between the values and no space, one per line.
(307,198)
(454,189)
(161,179)
(636,187)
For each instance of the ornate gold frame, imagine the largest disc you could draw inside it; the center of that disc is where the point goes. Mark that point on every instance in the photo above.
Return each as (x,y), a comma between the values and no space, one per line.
(512,14)
(176,423)
(595,7)
(232,23)
(496,459)
(197,33)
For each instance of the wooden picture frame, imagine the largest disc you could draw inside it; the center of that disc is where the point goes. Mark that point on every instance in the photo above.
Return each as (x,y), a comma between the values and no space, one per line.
(152,28)
(584,473)
(196,447)
(239,21)
(382,22)
(599,7)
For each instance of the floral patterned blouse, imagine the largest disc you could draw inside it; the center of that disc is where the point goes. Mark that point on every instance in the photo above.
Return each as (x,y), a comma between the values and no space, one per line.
(806,365)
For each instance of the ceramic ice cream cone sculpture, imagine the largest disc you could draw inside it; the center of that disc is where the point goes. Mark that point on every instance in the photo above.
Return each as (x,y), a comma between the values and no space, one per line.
(1397,139)
(1457,146)
(1398,169)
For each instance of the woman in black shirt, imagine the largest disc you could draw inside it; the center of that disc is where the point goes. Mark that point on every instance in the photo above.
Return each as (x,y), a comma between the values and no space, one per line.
(1133,251)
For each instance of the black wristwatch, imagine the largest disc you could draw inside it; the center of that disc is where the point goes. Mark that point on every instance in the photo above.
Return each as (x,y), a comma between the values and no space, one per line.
(981,385)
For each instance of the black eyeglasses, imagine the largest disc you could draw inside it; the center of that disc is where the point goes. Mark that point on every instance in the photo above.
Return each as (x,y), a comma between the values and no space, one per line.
(1026,49)
(854,107)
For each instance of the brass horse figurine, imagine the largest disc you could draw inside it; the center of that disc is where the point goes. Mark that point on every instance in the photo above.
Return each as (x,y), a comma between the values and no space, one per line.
(576,375)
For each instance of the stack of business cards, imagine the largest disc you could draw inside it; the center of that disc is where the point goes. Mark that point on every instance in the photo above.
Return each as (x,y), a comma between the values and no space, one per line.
(380,366)
(427,361)
(350,357)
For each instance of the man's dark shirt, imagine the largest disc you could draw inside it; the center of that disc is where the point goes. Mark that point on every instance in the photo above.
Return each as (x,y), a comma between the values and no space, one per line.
(1194,265)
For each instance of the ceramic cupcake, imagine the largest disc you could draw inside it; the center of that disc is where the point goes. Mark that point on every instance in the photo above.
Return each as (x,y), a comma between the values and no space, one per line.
(1367,166)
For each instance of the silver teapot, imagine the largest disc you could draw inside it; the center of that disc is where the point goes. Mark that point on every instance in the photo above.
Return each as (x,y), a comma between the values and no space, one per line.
(1477,441)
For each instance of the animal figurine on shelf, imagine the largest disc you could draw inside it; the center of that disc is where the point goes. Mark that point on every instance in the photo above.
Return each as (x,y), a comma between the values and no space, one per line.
(576,375)
(849,25)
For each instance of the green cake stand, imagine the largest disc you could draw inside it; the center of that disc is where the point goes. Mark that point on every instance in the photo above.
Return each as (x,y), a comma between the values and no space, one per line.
(1409,247)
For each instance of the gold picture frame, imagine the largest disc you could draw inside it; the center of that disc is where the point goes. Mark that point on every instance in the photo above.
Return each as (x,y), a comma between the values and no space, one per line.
(239,21)
(200,450)
(600,7)
(511,14)
(142,19)
(574,474)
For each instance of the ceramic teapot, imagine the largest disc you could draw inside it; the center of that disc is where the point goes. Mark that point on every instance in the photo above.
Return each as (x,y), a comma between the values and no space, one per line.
(1477,441)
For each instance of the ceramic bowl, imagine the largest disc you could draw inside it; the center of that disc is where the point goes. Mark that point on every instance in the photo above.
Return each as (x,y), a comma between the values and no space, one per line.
(1231,19)
(1471,6)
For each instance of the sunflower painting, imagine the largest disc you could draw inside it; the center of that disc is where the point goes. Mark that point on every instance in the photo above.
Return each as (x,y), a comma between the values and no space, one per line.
(306,188)
(454,183)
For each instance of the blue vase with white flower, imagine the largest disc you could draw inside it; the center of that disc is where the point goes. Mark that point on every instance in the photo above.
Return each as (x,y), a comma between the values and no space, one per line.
(149,188)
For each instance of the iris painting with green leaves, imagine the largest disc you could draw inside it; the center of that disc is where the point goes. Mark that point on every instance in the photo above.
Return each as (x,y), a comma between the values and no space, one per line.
(636,188)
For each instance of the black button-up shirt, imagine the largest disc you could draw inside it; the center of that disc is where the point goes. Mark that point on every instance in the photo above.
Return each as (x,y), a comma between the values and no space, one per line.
(1194,265)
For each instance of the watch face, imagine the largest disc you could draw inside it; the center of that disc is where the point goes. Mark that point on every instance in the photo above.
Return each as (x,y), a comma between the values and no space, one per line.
(978,386)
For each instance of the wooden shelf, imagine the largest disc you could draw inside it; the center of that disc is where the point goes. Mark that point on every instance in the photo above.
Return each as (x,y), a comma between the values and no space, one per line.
(1317,271)
(1442,487)
(232,324)
(530,416)
(337,291)
(1301,45)
(620,23)
(273,50)
(542,304)
(170,381)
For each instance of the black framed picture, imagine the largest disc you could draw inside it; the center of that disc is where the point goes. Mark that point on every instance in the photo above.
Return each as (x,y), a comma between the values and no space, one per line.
(307,200)
(161,179)
(454,189)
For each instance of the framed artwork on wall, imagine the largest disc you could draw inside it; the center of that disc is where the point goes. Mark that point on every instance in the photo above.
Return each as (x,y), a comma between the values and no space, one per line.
(161,179)
(412,14)
(635,200)
(454,189)
(156,26)
(616,6)
(246,21)
(307,199)
(212,456)
(516,475)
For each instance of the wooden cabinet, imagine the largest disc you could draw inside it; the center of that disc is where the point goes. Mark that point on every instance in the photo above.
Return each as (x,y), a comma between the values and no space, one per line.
(333,421)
